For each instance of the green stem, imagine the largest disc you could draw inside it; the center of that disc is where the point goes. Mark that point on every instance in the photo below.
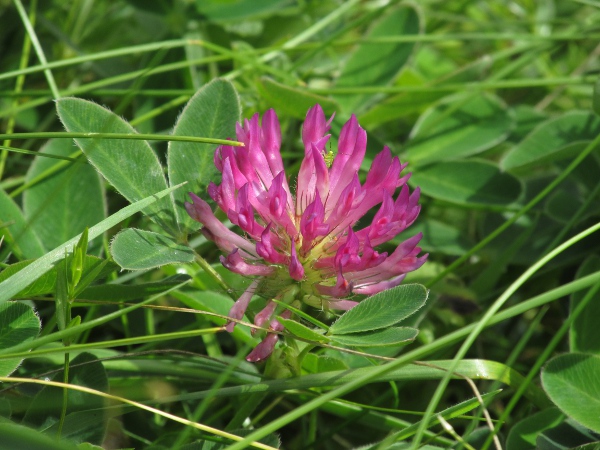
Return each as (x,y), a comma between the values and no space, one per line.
(112,343)
(37,46)
(458,87)
(18,87)
(134,136)
(125,51)
(214,275)
(63,412)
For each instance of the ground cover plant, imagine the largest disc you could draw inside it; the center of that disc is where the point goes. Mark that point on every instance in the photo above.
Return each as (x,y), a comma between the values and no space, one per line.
(389,243)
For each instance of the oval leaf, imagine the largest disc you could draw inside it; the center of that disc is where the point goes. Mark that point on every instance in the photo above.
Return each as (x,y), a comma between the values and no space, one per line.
(546,142)
(66,201)
(459,127)
(134,249)
(18,323)
(376,64)
(381,310)
(393,336)
(467,182)
(572,383)
(297,329)
(211,113)
(524,434)
(19,237)
(131,166)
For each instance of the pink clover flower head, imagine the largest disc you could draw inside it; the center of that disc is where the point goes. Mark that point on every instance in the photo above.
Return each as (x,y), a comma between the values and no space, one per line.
(305,238)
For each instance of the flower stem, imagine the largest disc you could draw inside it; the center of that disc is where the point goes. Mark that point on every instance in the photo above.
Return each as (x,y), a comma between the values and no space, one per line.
(214,274)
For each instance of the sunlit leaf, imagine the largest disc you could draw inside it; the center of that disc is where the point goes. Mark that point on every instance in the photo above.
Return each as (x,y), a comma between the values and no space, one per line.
(212,113)
(131,166)
(134,249)
(381,310)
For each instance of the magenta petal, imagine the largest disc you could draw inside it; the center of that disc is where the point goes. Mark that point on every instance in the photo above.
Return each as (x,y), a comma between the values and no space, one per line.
(263,350)
(243,215)
(278,196)
(346,212)
(315,126)
(312,223)
(235,263)
(223,236)
(307,182)
(266,250)
(342,287)
(276,325)
(227,188)
(347,254)
(371,289)
(238,309)
(296,269)
(321,173)
(343,305)
(271,140)
(265,314)
(347,162)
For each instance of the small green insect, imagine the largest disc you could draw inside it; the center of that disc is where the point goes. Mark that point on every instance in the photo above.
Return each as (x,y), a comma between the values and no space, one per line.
(328,157)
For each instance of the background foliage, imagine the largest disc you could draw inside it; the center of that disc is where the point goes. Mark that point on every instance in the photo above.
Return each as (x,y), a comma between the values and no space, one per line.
(491,103)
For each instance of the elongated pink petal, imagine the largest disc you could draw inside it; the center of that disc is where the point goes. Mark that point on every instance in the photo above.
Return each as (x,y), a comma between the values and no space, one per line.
(342,287)
(312,224)
(370,289)
(224,237)
(346,211)
(351,152)
(243,214)
(238,309)
(275,325)
(313,179)
(315,126)
(342,305)
(264,316)
(263,350)
(296,269)
(266,250)
(236,263)
(271,141)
